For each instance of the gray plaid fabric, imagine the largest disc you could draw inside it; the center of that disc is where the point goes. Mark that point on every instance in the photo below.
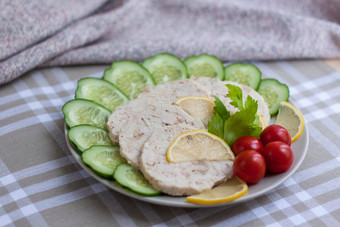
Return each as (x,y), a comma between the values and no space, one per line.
(42,185)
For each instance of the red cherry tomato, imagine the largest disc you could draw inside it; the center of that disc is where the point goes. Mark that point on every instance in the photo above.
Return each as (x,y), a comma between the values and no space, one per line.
(275,133)
(279,156)
(249,166)
(247,143)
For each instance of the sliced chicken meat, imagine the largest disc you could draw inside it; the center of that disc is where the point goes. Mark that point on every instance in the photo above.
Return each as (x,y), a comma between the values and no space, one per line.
(160,94)
(155,117)
(182,178)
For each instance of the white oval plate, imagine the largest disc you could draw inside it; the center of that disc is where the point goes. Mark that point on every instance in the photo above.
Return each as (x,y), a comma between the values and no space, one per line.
(268,183)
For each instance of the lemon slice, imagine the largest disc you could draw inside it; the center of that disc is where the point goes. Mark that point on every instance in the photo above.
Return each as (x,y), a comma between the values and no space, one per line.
(230,190)
(198,107)
(291,119)
(197,145)
(262,122)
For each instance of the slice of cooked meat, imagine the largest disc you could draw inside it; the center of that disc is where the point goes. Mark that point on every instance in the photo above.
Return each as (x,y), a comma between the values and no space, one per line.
(155,117)
(175,89)
(125,113)
(183,178)
(160,94)
(217,88)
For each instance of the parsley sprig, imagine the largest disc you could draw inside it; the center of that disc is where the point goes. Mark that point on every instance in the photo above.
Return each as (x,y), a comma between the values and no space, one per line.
(244,122)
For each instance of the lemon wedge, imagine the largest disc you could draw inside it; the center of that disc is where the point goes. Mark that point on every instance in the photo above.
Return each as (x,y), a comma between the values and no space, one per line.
(291,119)
(198,107)
(230,190)
(197,145)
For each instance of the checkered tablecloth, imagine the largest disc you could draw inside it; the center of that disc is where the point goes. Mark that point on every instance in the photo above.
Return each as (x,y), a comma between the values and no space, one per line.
(42,185)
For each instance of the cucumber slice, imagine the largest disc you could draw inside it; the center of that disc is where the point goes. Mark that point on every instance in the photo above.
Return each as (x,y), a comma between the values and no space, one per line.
(103,159)
(131,178)
(82,111)
(273,93)
(247,74)
(165,67)
(129,76)
(101,92)
(205,65)
(84,136)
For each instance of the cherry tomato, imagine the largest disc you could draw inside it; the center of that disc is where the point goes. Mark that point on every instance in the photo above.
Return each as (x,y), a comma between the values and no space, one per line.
(279,156)
(275,133)
(249,166)
(247,143)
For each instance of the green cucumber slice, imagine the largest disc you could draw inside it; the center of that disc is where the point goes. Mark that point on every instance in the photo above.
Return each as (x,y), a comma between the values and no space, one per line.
(103,159)
(129,76)
(205,65)
(165,67)
(82,111)
(84,136)
(101,92)
(242,73)
(273,93)
(133,179)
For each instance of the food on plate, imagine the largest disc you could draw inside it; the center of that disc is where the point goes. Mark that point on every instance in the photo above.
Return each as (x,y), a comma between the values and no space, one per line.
(198,145)
(103,159)
(132,178)
(205,65)
(165,67)
(230,190)
(143,134)
(242,73)
(101,92)
(231,126)
(262,123)
(279,156)
(249,166)
(137,131)
(129,76)
(273,146)
(198,107)
(82,111)
(175,89)
(290,118)
(179,178)
(152,96)
(247,143)
(273,93)
(84,136)
(218,88)
(275,133)
(161,130)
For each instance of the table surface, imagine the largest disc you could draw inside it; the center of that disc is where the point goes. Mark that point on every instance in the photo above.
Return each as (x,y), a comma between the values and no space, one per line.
(42,185)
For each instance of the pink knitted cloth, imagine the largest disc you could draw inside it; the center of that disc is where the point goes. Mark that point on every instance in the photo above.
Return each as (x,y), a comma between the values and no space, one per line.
(39,33)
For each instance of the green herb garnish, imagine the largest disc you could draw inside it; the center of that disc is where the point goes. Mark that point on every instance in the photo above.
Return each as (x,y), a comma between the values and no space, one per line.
(245,122)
